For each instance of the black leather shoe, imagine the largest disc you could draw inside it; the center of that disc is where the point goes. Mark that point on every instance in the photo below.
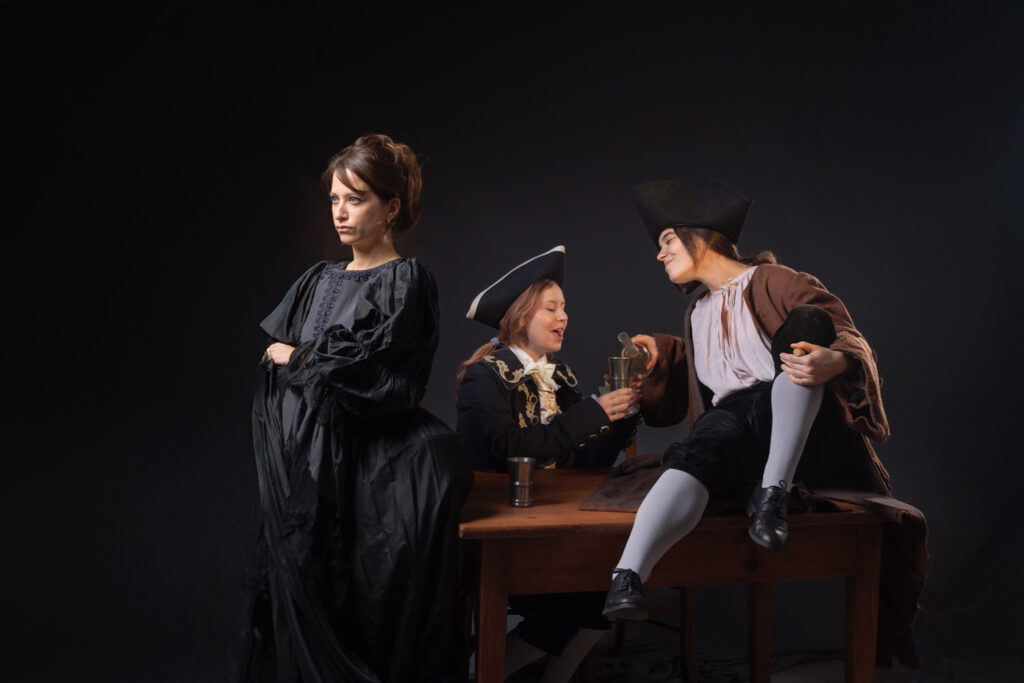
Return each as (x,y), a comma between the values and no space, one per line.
(768,508)
(626,600)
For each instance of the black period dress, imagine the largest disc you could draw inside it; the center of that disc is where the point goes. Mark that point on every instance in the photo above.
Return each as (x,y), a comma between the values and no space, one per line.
(360,488)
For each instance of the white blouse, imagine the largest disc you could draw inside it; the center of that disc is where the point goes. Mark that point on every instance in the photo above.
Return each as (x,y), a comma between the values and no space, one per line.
(729,351)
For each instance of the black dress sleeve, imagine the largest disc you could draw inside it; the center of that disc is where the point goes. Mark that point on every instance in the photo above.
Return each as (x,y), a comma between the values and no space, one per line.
(379,366)
(486,419)
(285,322)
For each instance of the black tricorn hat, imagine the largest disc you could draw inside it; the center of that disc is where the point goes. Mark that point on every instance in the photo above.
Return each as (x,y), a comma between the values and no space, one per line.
(712,206)
(490,305)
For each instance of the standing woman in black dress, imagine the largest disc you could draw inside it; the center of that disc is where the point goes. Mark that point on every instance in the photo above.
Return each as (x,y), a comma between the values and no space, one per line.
(360,488)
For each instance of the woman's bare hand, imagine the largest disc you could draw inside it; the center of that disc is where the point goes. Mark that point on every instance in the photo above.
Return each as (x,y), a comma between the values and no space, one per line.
(279,353)
(817,366)
(648,343)
(616,403)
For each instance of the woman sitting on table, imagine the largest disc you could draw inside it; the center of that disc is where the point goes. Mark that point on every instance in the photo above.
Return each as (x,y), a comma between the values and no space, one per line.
(761,346)
(517,399)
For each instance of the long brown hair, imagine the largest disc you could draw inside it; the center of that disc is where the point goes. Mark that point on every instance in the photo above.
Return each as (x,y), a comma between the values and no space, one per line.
(391,171)
(512,328)
(718,243)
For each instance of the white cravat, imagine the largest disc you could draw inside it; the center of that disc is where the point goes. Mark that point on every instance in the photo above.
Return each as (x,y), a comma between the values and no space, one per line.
(541,369)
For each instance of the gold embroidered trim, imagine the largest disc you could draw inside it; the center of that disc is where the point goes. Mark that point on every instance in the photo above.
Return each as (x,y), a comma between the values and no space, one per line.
(548,403)
(531,405)
(503,370)
(567,377)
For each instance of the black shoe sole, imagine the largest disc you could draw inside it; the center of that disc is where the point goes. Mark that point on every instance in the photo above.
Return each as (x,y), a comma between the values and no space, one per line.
(761,542)
(625,613)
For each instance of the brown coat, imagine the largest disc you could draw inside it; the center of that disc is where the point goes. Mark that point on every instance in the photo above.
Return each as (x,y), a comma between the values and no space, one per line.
(673,390)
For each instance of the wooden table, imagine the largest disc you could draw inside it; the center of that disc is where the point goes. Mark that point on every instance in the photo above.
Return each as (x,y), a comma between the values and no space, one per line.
(553,547)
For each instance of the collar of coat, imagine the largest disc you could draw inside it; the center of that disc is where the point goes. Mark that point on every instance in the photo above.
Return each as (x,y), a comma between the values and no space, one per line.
(509,369)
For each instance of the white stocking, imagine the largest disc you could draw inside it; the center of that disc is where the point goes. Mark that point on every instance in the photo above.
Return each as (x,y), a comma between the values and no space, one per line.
(794,408)
(670,510)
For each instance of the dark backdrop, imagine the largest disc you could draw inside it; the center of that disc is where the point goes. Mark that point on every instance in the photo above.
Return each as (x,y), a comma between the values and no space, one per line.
(162,192)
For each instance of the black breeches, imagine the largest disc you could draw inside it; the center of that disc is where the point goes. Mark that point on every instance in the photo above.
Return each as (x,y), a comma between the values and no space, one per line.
(728,446)
(550,621)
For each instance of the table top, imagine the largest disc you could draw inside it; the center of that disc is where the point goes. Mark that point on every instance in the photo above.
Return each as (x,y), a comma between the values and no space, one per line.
(557,496)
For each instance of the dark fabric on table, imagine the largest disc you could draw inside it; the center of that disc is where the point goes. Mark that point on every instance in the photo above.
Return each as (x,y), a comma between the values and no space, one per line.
(905,567)
(905,560)
(360,489)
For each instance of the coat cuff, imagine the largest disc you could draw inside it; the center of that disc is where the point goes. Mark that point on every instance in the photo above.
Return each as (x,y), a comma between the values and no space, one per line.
(585,422)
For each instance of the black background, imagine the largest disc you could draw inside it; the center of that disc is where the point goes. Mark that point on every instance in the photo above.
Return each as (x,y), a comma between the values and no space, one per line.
(162,165)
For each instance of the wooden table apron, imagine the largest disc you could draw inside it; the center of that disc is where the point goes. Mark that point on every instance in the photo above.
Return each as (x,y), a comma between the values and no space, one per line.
(553,547)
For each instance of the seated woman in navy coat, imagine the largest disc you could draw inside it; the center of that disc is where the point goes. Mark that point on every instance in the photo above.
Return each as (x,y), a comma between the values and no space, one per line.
(516,398)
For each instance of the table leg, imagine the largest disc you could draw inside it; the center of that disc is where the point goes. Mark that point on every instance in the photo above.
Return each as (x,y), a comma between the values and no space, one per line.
(862,607)
(759,605)
(493,611)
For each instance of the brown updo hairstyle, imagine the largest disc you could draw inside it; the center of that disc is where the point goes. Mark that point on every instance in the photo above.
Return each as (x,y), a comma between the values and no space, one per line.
(718,243)
(512,328)
(390,170)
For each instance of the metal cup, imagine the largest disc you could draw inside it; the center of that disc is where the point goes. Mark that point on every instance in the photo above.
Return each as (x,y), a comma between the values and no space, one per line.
(618,371)
(618,376)
(521,481)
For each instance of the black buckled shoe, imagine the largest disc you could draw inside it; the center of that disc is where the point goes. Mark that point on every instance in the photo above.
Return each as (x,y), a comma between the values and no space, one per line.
(767,506)
(626,600)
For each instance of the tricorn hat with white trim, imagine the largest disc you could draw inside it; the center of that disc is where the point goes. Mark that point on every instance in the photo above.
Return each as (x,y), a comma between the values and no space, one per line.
(490,305)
